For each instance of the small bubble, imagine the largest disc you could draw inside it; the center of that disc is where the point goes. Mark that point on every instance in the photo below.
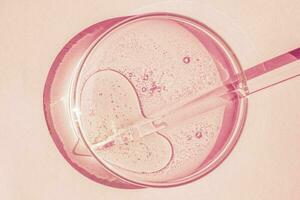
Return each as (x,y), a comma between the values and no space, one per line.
(153,87)
(198,135)
(210,82)
(92,112)
(186,60)
(145,77)
(144,89)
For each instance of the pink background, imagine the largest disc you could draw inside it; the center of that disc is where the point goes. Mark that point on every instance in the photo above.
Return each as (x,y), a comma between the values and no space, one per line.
(264,165)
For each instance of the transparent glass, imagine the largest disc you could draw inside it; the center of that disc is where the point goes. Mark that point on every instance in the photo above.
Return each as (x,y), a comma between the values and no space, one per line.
(152,100)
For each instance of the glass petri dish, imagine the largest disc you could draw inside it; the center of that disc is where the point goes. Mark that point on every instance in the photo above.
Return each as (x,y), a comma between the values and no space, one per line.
(137,68)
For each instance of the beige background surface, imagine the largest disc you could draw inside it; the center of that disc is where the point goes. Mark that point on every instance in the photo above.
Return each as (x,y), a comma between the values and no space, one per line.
(264,165)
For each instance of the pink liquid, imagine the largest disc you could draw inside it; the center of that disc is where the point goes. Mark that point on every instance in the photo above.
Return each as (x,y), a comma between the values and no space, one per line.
(162,64)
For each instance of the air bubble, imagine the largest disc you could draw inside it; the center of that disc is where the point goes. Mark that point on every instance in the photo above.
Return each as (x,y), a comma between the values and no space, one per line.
(189,137)
(186,60)
(198,135)
(145,77)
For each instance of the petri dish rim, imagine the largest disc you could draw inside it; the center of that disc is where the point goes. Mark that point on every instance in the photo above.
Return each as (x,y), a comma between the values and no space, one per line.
(241,110)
